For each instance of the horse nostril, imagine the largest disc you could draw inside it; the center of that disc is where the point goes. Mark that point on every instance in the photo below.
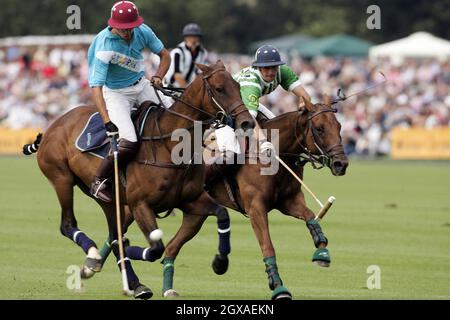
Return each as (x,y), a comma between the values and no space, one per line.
(246,125)
(338,165)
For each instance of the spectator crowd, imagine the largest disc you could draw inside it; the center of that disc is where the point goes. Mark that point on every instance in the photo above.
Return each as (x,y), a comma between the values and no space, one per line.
(37,86)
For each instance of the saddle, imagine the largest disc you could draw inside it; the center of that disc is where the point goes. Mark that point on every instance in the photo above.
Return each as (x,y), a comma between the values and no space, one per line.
(93,138)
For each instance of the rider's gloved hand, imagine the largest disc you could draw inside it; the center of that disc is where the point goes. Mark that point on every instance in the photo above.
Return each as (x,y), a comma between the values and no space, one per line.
(267,148)
(111,129)
(156,80)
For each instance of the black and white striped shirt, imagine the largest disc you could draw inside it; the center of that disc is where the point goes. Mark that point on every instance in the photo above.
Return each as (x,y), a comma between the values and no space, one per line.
(184,62)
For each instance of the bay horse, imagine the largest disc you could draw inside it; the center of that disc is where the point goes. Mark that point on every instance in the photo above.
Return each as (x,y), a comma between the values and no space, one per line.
(311,134)
(153,182)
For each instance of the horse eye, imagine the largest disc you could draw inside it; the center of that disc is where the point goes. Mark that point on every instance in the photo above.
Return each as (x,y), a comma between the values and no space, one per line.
(320,130)
(219,89)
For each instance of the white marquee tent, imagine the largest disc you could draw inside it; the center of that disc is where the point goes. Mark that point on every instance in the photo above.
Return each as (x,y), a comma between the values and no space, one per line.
(417,45)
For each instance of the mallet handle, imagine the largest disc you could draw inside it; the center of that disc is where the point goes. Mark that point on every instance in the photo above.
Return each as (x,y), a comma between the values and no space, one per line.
(299,180)
(125,287)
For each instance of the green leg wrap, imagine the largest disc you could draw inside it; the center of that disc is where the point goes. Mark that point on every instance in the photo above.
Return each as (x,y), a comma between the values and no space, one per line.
(168,270)
(316,232)
(272,272)
(105,251)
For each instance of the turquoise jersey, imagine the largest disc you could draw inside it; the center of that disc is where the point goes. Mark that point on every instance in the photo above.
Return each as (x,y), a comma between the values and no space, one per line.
(114,63)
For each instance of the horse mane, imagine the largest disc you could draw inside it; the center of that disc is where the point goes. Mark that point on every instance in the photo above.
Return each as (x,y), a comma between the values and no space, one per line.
(273,122)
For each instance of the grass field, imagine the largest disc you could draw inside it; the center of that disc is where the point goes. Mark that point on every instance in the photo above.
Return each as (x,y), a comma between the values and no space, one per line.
(395,215)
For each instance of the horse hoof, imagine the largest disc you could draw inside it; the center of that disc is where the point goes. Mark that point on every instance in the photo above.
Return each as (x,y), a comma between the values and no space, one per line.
(170,294)
(86,273)
(90,267)
(322,257)
(281,293)
(143,292)
(220,264)
(324,264)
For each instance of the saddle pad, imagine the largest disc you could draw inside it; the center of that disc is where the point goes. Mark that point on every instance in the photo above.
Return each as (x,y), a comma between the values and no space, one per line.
(93,138)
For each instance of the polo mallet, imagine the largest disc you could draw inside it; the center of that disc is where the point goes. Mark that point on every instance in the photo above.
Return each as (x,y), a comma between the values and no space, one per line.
(342,97)
(125,288)
(323,208)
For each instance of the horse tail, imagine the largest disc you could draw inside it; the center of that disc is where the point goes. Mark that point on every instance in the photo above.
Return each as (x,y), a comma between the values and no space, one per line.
(32,147)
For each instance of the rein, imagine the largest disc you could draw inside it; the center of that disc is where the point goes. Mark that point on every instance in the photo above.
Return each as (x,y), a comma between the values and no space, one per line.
(217,119)
(212,120)
(325,156)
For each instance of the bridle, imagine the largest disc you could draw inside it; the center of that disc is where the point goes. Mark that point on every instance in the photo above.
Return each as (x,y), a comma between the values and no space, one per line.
(318,161)
(217,120)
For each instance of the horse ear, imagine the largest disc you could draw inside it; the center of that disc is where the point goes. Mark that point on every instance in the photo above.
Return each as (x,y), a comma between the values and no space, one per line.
(219,64)
(308,105)
(205,69)
(326,100)
(302,109)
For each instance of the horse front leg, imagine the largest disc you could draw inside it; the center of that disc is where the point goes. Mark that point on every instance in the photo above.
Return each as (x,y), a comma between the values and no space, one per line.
(260,224)
(296,207)
(194,214)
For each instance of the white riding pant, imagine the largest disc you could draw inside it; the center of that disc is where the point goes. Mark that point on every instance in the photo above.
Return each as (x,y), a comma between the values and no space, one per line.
(226,138)
(119,103)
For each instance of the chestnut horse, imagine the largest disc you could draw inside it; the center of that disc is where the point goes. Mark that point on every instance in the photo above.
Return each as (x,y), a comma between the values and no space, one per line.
(311,134)
(153,182)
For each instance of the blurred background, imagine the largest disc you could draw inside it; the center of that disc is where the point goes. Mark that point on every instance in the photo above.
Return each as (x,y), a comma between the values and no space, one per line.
(43,64)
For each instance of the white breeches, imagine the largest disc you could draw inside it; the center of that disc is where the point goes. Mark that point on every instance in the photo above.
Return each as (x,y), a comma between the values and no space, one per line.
(119,103)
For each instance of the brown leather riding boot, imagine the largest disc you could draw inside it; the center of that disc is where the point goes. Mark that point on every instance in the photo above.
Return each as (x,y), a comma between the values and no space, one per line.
(101,187)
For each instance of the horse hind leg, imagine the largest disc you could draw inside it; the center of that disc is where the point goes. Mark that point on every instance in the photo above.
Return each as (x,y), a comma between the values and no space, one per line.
(69,228)
(145,218)
(220,262)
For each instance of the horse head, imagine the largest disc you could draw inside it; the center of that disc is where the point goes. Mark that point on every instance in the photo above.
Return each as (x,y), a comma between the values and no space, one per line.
(222,96)
(321,138)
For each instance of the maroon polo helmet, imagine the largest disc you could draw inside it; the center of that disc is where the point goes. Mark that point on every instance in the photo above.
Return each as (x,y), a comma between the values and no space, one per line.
(125,15)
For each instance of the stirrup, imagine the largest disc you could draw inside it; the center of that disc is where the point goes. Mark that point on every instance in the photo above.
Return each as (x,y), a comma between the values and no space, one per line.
(99,190)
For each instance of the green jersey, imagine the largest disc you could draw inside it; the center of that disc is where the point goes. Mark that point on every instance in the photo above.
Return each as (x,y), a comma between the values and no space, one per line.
(253,86)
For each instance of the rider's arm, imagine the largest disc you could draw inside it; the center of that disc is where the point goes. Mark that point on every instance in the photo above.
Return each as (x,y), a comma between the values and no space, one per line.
(164,63)
(300,92)
(290,82)
(250,94)
(99,101)
(98,70)
(156,46)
